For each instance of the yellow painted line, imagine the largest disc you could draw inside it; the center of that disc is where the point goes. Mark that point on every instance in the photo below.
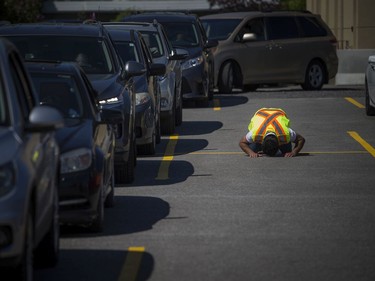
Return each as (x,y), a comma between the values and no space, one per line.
(217,105)
(357,104)
(242,153)
(362,142)
(167,158)
(132,263)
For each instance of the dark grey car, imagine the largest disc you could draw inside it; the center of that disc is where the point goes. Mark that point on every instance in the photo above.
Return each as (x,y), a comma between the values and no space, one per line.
(171,82)
(186,31)
(28,172)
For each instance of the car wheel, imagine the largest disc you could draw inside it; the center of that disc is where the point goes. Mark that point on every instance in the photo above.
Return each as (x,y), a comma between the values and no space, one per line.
(47,253)
(315,76)
(124,171)
(25,270)
(179,113)
(226,79)
(149,148)
(370,110)
(110,199)
(158,131)
(98,223)
(169,125)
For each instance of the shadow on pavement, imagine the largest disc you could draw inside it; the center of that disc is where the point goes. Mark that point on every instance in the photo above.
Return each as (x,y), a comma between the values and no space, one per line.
(95,265)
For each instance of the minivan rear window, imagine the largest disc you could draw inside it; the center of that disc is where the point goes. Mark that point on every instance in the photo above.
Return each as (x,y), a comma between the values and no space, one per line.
(282,28)
(311,27)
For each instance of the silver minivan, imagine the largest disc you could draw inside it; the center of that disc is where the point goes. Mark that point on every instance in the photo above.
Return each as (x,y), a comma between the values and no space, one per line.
(260,48)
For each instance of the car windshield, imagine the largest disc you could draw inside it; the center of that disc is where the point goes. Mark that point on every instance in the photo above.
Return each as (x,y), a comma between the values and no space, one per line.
(153,41)
(59,91)
(182,34)
(127,51)
(90,53)
(219,29)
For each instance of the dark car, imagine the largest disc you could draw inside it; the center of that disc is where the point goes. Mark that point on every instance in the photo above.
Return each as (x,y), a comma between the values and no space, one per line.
(260,48)
(132,47)
(87,142)
(186,31)
(171,82)
(29,225)
(91,46)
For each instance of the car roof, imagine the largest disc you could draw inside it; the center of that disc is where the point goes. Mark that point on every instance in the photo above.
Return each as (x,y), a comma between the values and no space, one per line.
(59,29)
(162,17)
(140,26)
(241,15)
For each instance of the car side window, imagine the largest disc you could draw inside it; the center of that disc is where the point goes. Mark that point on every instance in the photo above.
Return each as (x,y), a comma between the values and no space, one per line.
(146,53)
(22,87)
(311,27)
(282,28)
(255,26)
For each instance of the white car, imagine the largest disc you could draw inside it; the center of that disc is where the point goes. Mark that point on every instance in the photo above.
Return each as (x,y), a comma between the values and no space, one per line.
(370,86)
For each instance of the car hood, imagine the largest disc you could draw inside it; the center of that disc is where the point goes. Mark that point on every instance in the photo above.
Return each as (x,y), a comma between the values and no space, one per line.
(194,52)
(76,133)
(9,144)
(107,86)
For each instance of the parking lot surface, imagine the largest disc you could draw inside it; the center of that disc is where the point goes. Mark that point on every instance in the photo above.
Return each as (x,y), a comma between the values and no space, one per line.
(200,209)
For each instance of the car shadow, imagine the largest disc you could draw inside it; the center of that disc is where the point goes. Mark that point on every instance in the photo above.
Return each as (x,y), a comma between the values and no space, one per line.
(190,128)
(131,214)
(97,265)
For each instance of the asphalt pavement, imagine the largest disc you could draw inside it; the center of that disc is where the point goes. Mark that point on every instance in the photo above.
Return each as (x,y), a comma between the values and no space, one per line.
(201,210)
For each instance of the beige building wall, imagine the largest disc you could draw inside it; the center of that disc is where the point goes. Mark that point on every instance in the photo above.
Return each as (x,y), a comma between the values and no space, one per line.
(352,21)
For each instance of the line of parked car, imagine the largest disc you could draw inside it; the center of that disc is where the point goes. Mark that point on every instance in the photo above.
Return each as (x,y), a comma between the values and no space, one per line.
(80,101)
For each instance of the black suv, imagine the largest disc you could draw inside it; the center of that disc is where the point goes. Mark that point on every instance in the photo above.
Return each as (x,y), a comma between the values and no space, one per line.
(186,31)
(91,47)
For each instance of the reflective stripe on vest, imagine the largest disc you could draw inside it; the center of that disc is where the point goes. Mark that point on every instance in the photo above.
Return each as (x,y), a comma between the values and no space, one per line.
(271,123)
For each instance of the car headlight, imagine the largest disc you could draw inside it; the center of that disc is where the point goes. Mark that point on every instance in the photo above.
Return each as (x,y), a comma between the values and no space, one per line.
(192,63)
(75,160)
(7,179)
(141,98)
(113,100)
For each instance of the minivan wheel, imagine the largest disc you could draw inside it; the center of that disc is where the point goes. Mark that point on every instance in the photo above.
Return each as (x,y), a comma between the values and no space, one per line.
(370,110)
(226,80)
(314,77)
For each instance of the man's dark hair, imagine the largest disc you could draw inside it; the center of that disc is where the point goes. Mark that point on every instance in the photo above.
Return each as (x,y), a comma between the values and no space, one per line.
(270,145)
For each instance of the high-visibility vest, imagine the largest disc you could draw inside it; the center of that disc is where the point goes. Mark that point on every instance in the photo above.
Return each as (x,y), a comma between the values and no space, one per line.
(267,120)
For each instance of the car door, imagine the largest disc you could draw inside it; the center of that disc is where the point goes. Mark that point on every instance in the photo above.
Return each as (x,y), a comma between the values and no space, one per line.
(40,149)
(252,54)
(285,50)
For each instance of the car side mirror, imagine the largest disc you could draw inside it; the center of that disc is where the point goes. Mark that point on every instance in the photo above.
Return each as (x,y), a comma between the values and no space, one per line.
(211,43)
(133,68)
(44,118)
(248,37)
(157,69)
(179,54)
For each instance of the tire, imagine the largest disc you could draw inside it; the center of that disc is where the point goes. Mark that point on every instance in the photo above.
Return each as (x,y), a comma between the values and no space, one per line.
(226,79)
(370,110)
(25,270)
(47,252)
(168,127)
(149,148)
(179,113)
(110,199)
(124,171)
(158,131)
(98,223)
(315,76)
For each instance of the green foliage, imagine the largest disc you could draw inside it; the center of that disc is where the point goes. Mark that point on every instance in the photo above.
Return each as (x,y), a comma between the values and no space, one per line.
(17,11)
(297,5)
(123,14)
